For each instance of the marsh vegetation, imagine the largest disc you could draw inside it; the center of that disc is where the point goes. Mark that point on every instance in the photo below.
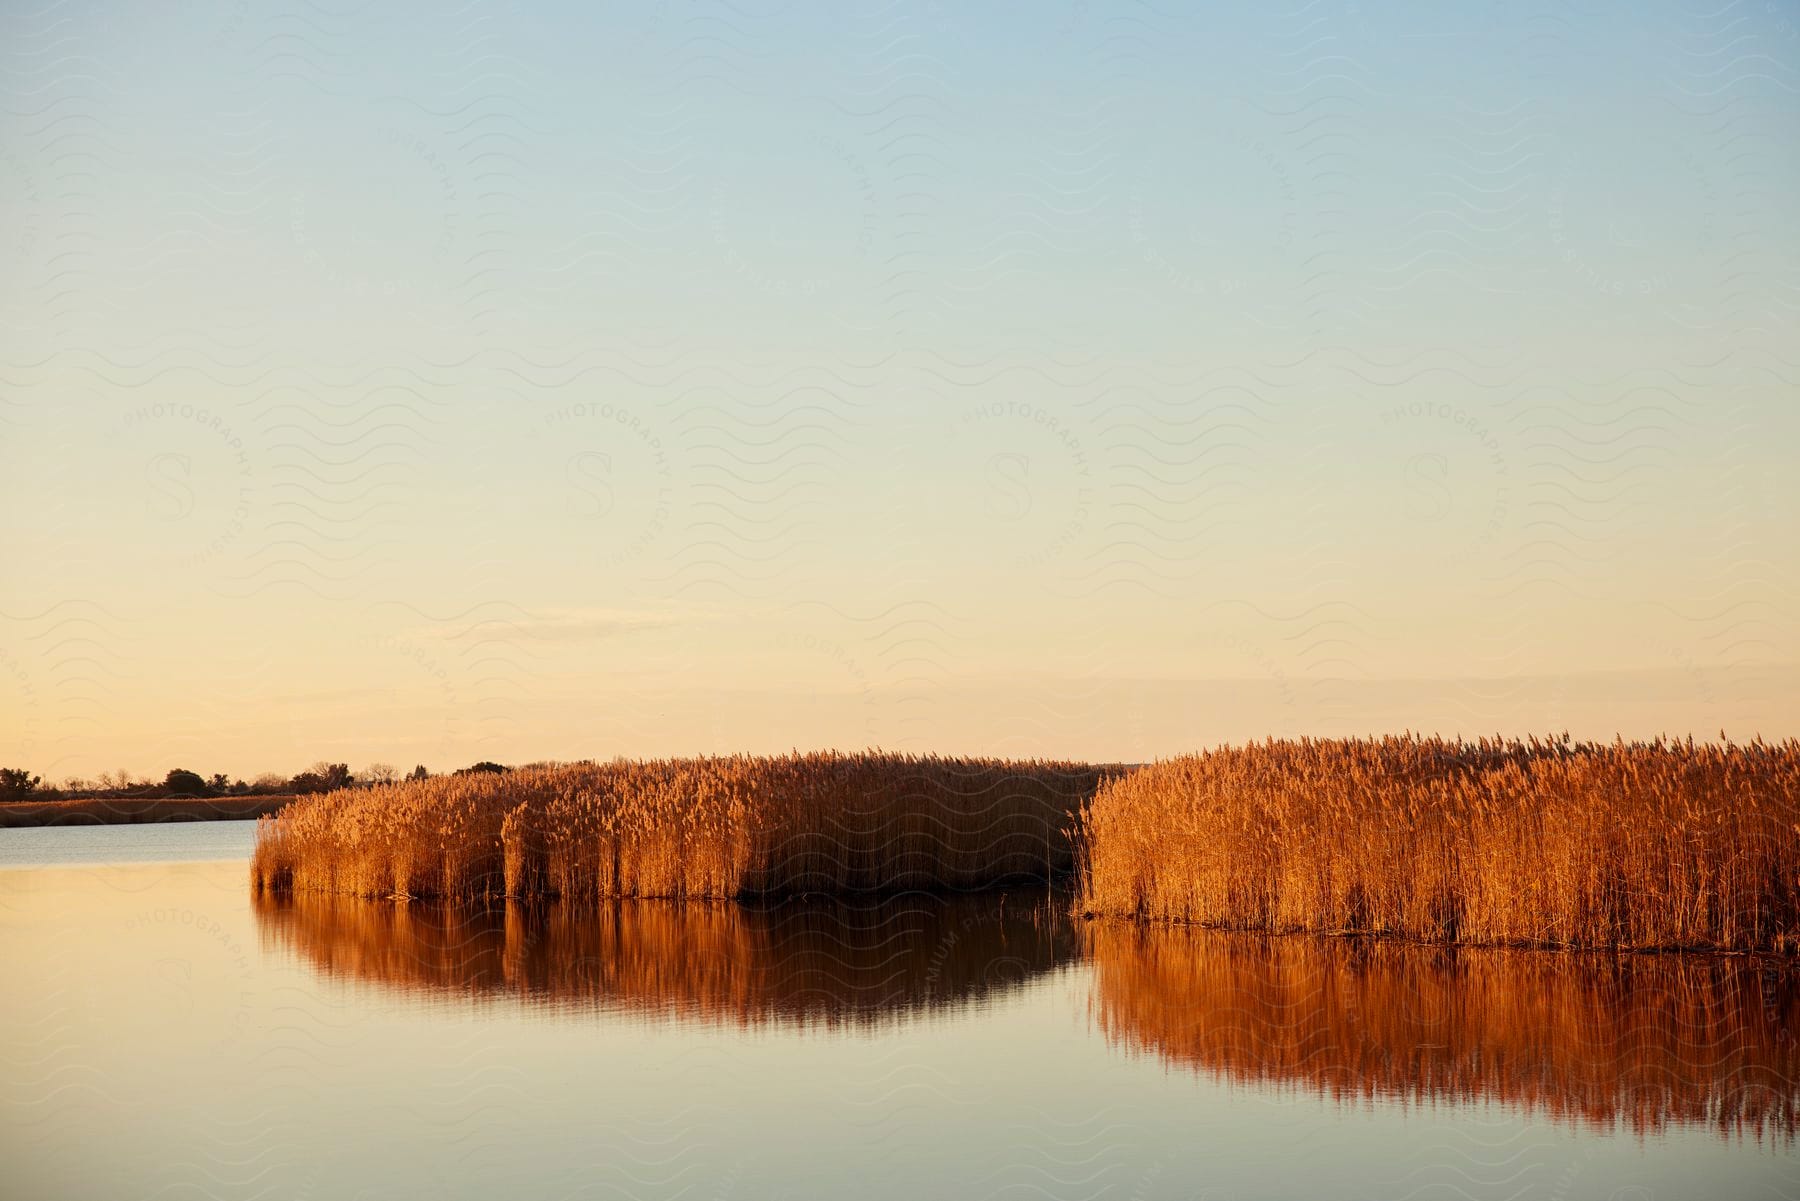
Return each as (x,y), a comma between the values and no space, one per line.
(714,828)
(1543,843)
(1675,845)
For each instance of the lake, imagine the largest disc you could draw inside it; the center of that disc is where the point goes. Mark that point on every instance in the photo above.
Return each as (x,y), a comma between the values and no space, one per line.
(164,1033)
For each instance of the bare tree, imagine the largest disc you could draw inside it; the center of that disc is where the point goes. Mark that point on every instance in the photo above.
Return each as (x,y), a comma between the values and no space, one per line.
(380,773)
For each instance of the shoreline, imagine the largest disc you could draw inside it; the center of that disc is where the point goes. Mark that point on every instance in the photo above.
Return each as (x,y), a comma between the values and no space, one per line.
(135,811)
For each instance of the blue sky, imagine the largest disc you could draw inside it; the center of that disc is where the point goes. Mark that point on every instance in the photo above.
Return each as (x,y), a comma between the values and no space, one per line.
(1099,380)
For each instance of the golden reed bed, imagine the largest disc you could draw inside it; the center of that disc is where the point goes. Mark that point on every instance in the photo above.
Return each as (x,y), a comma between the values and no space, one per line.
(1645,845)
(684,828)
(1642,1041)
(795,963)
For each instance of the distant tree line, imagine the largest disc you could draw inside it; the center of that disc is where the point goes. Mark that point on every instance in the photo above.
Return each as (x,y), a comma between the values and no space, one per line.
(19,784)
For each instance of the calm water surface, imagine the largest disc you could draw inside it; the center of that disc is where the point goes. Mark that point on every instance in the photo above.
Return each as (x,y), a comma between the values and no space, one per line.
(163,1033)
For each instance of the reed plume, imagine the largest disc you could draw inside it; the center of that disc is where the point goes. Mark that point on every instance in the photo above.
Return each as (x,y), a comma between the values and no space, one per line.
(684,828)
(1541,843)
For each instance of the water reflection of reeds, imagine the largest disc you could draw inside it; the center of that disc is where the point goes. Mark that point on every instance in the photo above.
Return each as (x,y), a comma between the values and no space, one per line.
(1641,1042)
(804,963)
(1635,1042)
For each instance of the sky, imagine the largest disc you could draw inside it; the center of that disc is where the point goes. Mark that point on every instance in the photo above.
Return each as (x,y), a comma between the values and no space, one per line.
(1087,380)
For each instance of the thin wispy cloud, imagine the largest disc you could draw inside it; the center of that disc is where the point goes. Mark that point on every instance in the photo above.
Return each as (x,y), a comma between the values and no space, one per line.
(566,625)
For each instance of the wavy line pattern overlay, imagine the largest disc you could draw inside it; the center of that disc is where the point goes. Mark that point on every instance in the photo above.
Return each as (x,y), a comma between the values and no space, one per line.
(1079,380)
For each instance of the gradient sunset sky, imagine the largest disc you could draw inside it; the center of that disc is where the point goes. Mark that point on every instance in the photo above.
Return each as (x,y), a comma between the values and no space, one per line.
(1088,380)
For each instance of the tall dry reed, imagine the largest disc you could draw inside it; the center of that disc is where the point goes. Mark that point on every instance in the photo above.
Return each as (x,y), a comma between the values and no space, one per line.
(702,828)
(1542,843)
